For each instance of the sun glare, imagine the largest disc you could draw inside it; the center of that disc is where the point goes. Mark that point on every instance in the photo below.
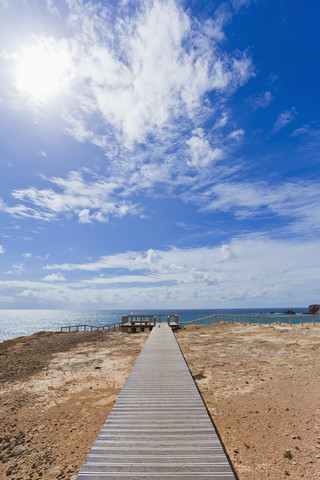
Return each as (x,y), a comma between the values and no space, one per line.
(42,70)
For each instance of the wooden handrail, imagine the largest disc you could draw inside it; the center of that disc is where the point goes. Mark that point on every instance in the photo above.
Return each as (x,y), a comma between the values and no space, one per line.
(75,328)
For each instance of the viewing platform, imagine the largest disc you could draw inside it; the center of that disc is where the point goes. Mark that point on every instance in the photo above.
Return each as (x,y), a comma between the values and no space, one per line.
(130,323)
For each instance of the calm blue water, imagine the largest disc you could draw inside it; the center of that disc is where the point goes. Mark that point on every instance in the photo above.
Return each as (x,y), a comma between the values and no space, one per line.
(16,323)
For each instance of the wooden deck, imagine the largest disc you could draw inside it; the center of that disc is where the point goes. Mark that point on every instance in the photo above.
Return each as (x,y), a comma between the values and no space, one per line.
(159,426)
(132,322)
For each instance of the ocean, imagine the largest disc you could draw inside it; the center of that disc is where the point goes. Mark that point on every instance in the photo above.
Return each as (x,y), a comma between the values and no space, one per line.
(17,323)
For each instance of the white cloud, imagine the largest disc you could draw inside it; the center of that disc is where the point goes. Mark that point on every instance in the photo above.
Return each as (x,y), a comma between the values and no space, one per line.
(136,83)
(284,119)
(52,7)
(22,211)
(201,153)
(299,202)
(84,216)
(238,4)
(54,277)
(27,255)
(222,122)
(237,134)
(2,249)
(261,101)
(147,70)
(252,270)
(88,200)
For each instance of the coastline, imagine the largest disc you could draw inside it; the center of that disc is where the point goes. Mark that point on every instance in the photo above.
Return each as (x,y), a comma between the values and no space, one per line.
(260,384)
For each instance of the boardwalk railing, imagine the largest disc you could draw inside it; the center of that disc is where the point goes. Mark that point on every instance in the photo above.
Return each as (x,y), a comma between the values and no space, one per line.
(255,319)
(89,328)
(128,322)
(150,319)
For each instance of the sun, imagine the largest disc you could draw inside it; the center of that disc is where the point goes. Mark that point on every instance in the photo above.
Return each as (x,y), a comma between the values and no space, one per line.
(43,69)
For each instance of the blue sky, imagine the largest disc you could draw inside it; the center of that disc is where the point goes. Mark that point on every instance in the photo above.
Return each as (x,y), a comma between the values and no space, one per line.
(159,154)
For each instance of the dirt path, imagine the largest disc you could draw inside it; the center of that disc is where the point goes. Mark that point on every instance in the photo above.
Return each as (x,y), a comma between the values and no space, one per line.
(262,388)
(55,393)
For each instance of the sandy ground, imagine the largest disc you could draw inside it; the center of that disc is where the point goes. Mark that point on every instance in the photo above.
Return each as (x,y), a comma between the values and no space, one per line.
(56,391)
(262,388)
(260,384)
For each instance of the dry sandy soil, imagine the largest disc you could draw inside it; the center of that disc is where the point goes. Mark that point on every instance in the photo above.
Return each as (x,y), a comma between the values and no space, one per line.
(56,391)
(261,386)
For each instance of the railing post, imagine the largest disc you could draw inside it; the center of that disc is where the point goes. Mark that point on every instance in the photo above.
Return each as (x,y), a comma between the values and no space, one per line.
(249,320)
(290,322)
(231,318)
(279,321)
(224,319)
(168,319)
(154,321)
(259,322)
(314,322)
(301,321)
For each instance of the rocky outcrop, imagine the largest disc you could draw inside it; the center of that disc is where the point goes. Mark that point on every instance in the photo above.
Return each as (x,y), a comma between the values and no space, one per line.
(289,312)
(314,309)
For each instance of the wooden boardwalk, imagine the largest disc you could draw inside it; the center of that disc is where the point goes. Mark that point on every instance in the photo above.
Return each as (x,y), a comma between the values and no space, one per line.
(159,427)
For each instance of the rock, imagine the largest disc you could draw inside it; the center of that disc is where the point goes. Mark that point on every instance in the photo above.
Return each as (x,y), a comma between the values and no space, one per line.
(16,451)
(289,312)
(55,470)
(314,309)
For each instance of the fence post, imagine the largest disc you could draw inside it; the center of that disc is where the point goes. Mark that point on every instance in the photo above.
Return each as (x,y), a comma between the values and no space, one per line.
(259,321)
(279,321)
(168,319)
(301,321)
(314,322)
(290,322)
(231,318)
(249,320)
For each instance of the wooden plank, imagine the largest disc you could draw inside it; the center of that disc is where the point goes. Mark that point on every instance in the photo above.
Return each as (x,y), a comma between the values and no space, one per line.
(159,427)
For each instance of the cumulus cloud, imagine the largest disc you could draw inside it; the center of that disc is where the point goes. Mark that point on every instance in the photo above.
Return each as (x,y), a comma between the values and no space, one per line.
(284,119)
(201,153)
(54,277)
(2,249)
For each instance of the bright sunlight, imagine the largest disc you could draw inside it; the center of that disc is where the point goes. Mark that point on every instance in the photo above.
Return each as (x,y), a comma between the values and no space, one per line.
(43,69)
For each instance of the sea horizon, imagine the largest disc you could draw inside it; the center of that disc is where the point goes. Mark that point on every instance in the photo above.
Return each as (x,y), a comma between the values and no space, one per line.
(18,322)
